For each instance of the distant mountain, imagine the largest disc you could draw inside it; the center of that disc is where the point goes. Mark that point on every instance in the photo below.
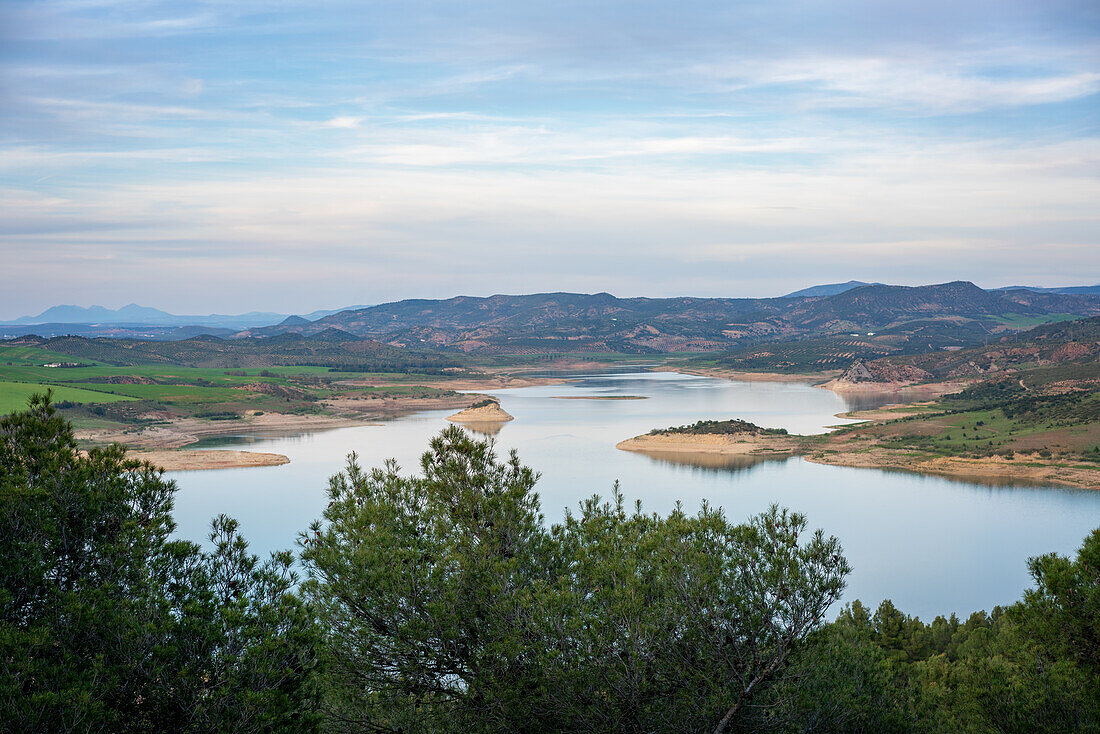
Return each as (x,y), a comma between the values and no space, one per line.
(830,289)
(134,314)
(314,315)
(1083,290)
(571,322)
(898,318)
(151,332)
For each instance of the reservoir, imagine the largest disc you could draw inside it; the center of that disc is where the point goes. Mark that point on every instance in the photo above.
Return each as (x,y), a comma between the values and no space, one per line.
(930,544)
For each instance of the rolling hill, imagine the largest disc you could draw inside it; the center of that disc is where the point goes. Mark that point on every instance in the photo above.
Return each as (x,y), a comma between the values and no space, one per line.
(330,348)
(569,322)
(1070,349)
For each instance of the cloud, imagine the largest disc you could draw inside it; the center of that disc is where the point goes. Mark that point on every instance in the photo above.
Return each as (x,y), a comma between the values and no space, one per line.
(345,122)
(937,85)
(430,148)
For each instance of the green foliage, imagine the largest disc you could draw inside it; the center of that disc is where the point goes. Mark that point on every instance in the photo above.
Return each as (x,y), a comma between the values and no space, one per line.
(106,624)
(448,605)
(334,350)
(484,403)
(441,602)
(730,427)
(1033,667)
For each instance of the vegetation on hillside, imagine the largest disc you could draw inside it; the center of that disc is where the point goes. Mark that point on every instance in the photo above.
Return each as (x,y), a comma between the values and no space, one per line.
(1074,345)
(331,348)
(729,427)
(1049,413)
(956,313)
(100,395)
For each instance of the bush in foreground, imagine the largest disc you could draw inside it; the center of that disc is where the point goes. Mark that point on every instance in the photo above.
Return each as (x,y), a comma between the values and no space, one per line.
(448,605)
(106,624)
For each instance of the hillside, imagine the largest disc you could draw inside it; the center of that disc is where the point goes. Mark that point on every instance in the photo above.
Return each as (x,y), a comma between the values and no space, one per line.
(330,348)
(1072,345)
(827,289)
(568,322)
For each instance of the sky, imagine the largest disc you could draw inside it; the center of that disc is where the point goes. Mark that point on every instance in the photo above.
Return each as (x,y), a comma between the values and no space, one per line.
(289,155)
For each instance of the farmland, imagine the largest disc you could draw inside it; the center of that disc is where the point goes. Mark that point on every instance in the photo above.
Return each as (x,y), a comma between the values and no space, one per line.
(112,399)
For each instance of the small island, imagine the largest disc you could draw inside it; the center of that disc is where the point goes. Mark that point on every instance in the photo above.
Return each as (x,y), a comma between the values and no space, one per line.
(196,459)
(484,411)
(729,437)
(900,439)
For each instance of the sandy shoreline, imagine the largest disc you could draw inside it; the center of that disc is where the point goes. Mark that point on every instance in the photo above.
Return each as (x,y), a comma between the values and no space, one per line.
(907,392)
(178,432)
(181,460)
(811,377)
(724,444)
(958,467)
(163,441)
(700,448)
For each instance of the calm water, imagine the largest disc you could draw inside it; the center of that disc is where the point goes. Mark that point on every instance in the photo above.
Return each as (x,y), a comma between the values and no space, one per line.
(932,545)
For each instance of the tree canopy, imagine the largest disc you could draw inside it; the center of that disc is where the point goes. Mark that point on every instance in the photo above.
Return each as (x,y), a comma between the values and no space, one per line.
(448,604)
(441,601)
(109,624)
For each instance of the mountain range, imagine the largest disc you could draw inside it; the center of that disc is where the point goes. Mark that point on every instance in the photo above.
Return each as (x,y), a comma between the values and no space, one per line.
(570,322)
(133,314)
(904,318)
(829,289)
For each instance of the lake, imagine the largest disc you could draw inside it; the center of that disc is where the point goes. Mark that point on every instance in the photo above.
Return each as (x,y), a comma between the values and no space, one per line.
(930,544)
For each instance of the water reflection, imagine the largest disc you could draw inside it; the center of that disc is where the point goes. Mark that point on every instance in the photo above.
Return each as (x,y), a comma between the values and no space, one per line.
(872,399)
(484,428)
(713,463)
(978,480)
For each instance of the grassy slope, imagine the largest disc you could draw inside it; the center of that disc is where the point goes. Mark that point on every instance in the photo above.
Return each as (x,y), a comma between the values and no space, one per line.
(101,399)
(1052,412)
(14,395)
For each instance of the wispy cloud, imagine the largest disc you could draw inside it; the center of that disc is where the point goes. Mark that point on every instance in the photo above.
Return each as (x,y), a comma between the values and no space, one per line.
(638,147)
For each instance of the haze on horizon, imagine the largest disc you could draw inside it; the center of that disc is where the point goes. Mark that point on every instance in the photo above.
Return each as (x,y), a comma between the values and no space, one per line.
(206,157)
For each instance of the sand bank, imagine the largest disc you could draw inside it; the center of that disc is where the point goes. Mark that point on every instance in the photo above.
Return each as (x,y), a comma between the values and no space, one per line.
(181,460)
(710,443)
(985,469)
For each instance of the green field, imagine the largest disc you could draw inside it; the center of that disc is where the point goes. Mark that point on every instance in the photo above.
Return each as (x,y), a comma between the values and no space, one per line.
(1000,417)
(14,395)
(1021,321)
(94,394)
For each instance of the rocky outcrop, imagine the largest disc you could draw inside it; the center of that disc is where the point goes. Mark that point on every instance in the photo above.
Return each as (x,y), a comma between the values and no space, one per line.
(881,372)
(487,411)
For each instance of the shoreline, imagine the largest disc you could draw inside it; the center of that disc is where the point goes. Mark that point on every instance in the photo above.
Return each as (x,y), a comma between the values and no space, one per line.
(740,376)
(164,443)
(830,380)
(832,451)
(168,440)
(964,468)
(722,444)
(200,460)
